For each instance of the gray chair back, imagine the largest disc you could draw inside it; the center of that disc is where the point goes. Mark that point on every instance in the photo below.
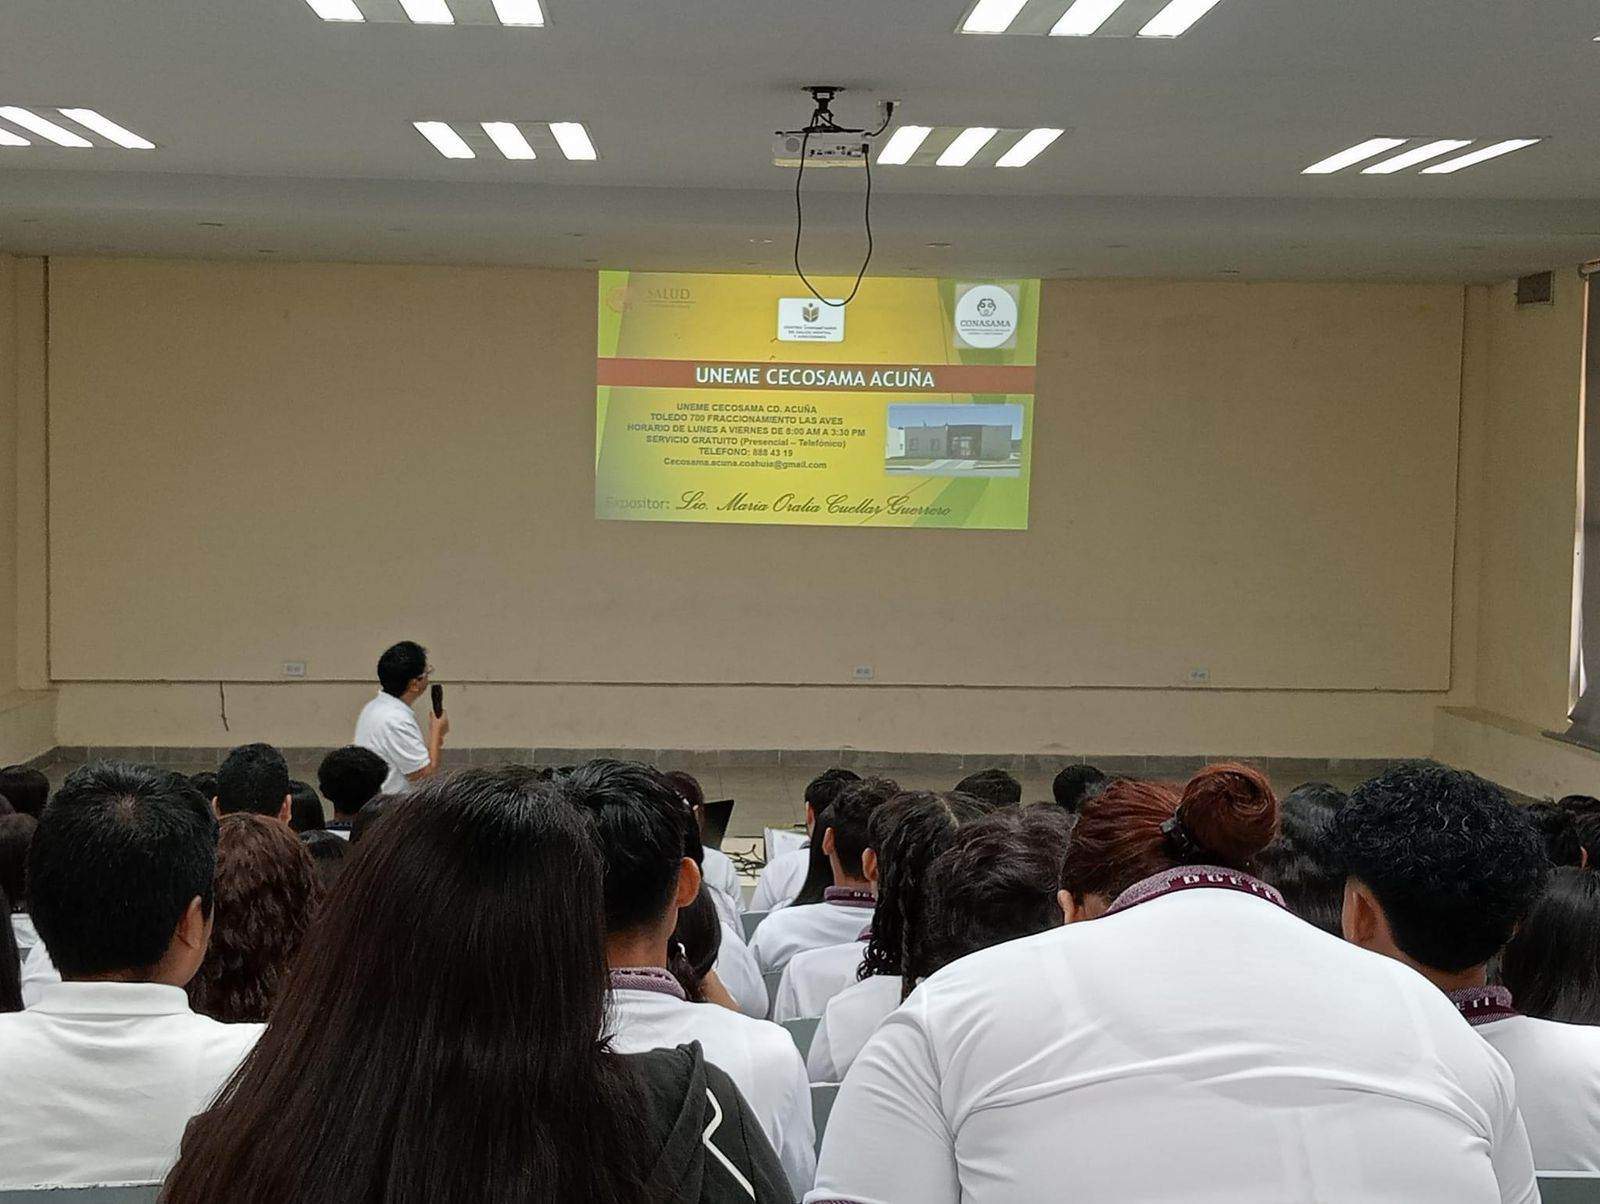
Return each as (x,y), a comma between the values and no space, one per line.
(750,919)
(1557,1187)
(822,1097)
(772,978)
(802,1031)
(144,1193)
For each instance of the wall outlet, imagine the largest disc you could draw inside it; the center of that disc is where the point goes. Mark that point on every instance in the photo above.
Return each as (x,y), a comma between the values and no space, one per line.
(863,673)
(294,668)
(1199,676)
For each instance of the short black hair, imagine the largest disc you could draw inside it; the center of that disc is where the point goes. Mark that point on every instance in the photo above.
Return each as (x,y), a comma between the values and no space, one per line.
(1552,964)
(205,782)
(253,778)
(848,816)
(642,827)
(328,852)
(305,807)
(1302,861)
(1585,812)
(993,785)
(1451,860)
(1558,828)
(119,854)
(1076,785)
(350,777)
(16,834)
(825,787)
(26,788)
(400,665)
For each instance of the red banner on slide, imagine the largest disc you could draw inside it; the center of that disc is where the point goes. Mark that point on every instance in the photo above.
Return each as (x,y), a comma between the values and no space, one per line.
(815,377)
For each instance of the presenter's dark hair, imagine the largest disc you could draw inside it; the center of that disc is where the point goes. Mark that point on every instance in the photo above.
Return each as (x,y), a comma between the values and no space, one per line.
(1552,963)
(26,788)
(253,778)
(400,665)
(642,827)
(305,807)
(16,834)
(351,777)
(1303,860)
(1453,863)
(1075,785)
(907,833)
(996,785)
(119,855)
(460,1022)
(10,962)
(1558,829)
(1227,811)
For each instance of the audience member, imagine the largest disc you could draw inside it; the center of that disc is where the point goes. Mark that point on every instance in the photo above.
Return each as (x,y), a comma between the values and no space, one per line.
(16,834)
(266,891)
(1585,812)
(1091,1055)
(733,979)
(643,828)
(1076,785)
(819,867)
(104,1071)
(328,851)
(27,789)
(784,875)
(10,964)
(254,778)
(205,782)
(843,911)
(1558,830)
(1302,862)
(305,808)
(350,778)
(994,785)
(448,1054)
(1551,965)
(716,867)
(369,816)
(388,725)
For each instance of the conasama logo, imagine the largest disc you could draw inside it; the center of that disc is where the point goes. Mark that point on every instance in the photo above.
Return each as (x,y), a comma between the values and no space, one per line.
(986,316)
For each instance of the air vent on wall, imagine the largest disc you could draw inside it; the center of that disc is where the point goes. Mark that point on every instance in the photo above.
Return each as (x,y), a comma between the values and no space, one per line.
(1537,289)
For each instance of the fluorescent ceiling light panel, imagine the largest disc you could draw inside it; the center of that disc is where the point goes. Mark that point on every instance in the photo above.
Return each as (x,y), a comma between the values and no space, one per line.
(1482,155)
(445,140)
(106,128)
(1028,148)
(1418,154)
(967,144)
(1358,153)
(7,138)
(1084,18)
(510,140)
(992,16)
(428,12)
(573,139)
(902,144)
(336,10)
(519,12)
(29,120)
(1176,18)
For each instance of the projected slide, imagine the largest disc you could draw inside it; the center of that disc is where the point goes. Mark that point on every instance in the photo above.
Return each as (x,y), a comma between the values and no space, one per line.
(742,399)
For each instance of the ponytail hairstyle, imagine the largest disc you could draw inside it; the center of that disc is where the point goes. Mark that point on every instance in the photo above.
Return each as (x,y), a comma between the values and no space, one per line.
(907,833)
(819,870)
(696,941)
(1224,817)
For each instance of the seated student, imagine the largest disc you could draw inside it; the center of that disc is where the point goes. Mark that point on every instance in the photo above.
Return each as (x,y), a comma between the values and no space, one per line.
(328,851)
(642,828)
(783,876)
(846,906)
(907,833)
(10,964)
(369,817)
(448,1054)
(1076,785)
(16,834)
(205,782)
(27,789)
(305,807)
(1558,829)
(266,891)
(1551,965)
(1585,812)
(350,778)
(694,948)
(716,867)
(1443,867)
(1302,862)
(995,785)
(254,778)
(734,978)
(102,1073)
(1192,1041)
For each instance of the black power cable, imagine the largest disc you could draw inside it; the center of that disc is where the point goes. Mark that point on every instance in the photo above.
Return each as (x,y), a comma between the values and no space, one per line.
(799,207)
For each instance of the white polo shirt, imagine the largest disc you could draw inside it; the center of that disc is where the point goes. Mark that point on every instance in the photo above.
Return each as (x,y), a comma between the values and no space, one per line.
(815,976)
(781,880)
(1196,1043)
(736,967)
(648,1011)
(389,728)
(720,874)
(848,1022)
(100,1079)
(840,917)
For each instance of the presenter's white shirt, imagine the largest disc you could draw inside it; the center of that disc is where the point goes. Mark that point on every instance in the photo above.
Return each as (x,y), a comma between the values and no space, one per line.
(847,1024)
(1196,1044)
(719,873)
(100,1078)
(736,967)
(1557,1067)
(389,728)
(781,880)
(38,973)
(648,1011)
(816,976)
(840,917)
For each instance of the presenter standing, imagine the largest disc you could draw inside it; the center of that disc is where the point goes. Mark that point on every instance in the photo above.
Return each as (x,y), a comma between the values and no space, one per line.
(388,726)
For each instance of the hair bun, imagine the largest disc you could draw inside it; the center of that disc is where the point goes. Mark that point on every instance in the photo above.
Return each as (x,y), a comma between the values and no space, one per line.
(1231,812)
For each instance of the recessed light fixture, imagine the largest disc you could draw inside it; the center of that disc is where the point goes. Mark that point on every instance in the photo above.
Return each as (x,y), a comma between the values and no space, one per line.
(1028,147)
(519,12)
(336,10)
(967,144)
(962,146)
(1423,151)
(445,140)
(514,140)
(428,12)
(1417,154)
(107,128)
(1084,18)
(992,16)
(573,140)
(1177,18)
(902,144)
(1483,155)
(525,14)
(7,138)
(1359,153)
(43,126)
(513,143)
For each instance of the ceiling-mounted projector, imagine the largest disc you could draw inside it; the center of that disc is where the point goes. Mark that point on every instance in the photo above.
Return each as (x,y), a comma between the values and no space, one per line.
(821,149)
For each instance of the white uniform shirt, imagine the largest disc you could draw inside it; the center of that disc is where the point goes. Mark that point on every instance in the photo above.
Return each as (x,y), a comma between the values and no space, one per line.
(781,880)
(816,976)
(38,973)
(648,1011)
(27,935)
(389,728)
(1557,1067)
(100,1079)
(840,917)
(1202,1045)
(719,873)
(847,1024)
(736,967)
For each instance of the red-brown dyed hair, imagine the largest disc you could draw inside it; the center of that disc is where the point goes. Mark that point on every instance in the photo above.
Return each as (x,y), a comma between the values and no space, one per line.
(1228,810)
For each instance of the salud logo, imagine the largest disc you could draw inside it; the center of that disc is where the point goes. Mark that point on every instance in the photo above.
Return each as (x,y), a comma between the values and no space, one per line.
(986,316)
(810,313)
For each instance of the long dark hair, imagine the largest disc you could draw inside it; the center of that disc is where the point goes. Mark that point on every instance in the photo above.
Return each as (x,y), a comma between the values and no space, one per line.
(819,870)
(10,961)
(443,1047)
(907,833)
(1552,964)
(696,941)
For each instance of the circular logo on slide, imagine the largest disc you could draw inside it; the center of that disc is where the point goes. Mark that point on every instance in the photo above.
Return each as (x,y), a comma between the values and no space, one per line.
(986,316)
